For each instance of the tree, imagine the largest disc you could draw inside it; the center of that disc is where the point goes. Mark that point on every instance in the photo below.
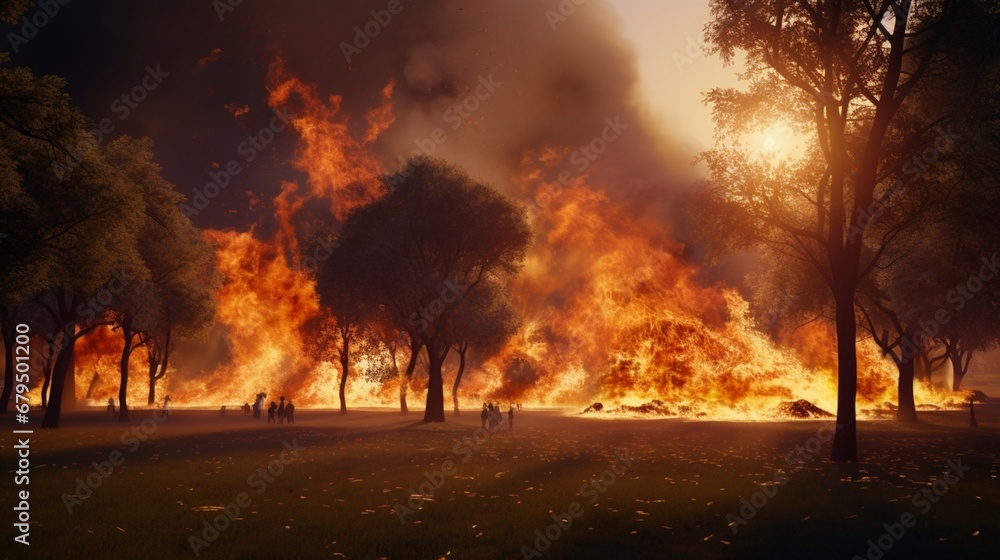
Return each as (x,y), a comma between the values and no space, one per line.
(386,335)
(37,121)
(186,296)
(437,236)
(483,321)
(955,189)
(345,315)
(893,302)
(837,73)
(174,258)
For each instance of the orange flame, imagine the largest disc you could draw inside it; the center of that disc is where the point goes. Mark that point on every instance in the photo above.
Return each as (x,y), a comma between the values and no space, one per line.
(611,310)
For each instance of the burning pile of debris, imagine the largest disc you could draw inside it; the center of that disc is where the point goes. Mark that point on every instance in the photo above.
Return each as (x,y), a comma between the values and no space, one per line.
(802,409)
(654,407)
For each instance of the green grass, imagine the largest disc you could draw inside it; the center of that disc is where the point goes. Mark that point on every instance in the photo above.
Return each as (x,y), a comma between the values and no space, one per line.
(336,500)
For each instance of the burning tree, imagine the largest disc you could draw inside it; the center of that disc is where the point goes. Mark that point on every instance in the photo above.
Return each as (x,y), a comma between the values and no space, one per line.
(415,253)
(838,74)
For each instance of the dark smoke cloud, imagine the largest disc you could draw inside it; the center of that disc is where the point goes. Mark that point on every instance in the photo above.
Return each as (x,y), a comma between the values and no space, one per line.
(558,87)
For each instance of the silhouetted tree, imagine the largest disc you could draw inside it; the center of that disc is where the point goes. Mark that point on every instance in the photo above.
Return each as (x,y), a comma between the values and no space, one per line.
(37,122)
(837,73)
(433,239)
(483,321)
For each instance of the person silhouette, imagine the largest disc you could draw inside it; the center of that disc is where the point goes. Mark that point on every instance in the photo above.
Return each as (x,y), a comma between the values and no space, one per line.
(111,406)
(972,414)
(258,405)
(483,415)
(290,412)
(510,417)
(270,412)
(166,407)
(281,411)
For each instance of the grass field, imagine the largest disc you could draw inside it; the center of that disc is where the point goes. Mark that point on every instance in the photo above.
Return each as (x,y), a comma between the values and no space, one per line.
(678,492)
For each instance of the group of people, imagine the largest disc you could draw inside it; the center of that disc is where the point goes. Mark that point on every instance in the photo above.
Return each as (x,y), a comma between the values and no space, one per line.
(279,413)
(492,417)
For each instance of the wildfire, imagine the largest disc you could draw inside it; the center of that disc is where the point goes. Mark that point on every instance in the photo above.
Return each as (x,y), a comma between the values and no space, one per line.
(339,167)
(611,310)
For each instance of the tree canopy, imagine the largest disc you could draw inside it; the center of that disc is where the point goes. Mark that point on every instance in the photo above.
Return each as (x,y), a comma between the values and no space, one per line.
(436,237)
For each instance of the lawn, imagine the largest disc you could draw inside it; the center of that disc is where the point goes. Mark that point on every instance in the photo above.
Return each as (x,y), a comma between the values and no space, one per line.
(376,484)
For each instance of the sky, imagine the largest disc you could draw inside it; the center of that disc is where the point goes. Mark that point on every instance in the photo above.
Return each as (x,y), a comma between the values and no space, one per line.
(674,70)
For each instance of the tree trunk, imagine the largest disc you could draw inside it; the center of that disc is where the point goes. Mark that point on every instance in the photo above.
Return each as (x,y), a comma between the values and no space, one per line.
(158,365)
(64,364)
(8,365)
(959,366)
(907,411)
(47,365)
(404,381)
(69,401)
(45,386)
(344,361)
(458,377)
(845,440)
(123,368)
(434,412)
(152,382)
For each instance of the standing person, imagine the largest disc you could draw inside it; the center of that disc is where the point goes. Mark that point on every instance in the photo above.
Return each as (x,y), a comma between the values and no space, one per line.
(166,407)
(290,412)
(111,406)
(259,405)
(972,414)
(510,417)
(270,412)
(281,411)
(483,415)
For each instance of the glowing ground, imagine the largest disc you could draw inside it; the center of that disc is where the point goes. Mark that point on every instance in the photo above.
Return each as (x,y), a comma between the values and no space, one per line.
(679,487)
